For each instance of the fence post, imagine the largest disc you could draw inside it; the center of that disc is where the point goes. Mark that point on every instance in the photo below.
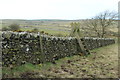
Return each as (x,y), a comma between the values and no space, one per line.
(41,48)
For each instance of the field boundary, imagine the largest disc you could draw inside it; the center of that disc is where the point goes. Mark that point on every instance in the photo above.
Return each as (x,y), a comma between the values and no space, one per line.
(21,47)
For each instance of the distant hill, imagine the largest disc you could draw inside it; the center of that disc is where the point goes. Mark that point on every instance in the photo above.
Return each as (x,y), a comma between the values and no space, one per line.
(40,20)
(34,22)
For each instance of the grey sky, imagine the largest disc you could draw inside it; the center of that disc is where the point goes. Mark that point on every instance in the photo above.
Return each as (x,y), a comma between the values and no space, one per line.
(54,9)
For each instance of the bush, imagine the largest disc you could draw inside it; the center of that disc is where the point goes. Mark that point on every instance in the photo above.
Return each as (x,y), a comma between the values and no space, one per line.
(14,27)
(5,29)
(35,30)
(59,35)
(42,32)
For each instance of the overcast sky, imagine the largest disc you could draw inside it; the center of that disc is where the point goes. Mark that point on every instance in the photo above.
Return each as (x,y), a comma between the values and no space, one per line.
(54,9)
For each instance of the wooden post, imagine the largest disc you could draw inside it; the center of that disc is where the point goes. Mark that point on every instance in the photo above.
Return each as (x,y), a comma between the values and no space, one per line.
(41,49)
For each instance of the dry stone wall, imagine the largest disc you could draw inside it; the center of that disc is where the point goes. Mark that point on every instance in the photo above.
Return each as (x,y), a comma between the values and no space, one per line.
(21,47)
(92,43)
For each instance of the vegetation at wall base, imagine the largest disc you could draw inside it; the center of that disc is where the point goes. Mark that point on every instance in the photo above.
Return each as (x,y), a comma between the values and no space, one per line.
(97,65)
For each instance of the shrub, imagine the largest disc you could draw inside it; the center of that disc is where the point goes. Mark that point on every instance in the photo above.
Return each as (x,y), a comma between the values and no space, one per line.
(35,30)
(42,32)
(5,29)
(14,27)
(59,35)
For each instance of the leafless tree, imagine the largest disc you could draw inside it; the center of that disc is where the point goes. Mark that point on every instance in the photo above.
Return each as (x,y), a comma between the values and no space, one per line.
(92,25)
(101,22)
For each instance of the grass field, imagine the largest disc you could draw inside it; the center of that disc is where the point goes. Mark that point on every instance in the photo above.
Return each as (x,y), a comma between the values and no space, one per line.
(49,31)
(52,27)
(101,63)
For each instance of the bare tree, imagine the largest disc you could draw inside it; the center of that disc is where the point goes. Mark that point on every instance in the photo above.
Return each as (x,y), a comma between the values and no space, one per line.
(92,25)
(101,22)
(105,20)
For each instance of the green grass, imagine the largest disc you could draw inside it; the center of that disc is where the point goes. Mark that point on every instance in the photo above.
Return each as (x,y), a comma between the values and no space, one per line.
(51,32)
(98,49)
